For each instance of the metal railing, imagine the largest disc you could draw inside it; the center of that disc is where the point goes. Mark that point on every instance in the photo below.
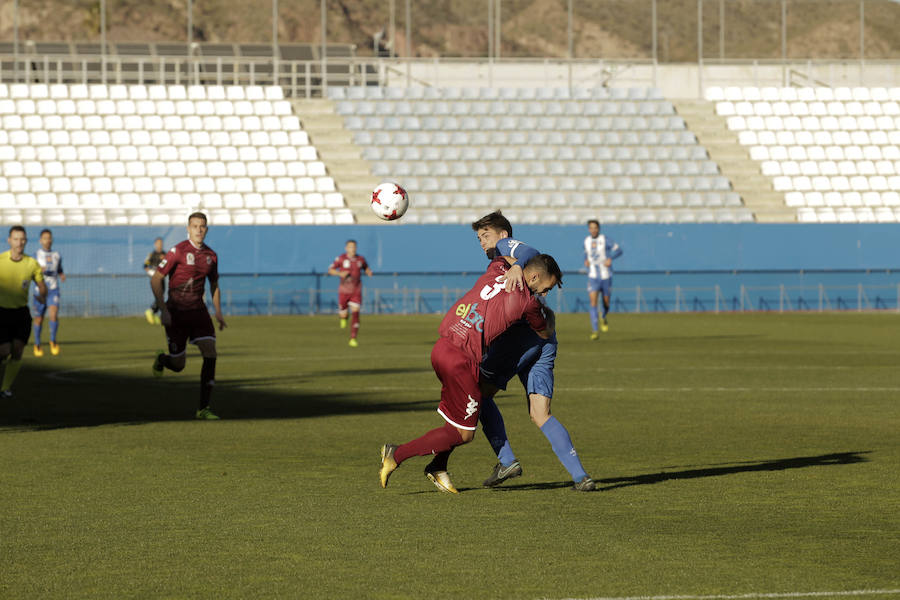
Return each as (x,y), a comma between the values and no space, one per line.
(425,293)
(299,78)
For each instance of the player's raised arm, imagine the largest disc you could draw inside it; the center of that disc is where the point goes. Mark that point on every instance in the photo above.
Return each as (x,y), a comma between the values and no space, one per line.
(613,250)
(517,254)
(335,271)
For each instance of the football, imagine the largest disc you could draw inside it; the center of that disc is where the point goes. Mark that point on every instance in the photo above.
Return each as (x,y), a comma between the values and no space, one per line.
(389,201)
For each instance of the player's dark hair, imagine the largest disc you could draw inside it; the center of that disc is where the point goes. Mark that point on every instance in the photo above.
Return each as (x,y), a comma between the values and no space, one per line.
(159,239)
(348,241)
(16,228)
(595,222)
(546,264)
(43,231)
(495,220)
(198,215)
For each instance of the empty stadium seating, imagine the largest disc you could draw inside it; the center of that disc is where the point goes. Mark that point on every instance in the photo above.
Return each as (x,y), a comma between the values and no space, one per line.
(116,154)
(544,155)
(835,152)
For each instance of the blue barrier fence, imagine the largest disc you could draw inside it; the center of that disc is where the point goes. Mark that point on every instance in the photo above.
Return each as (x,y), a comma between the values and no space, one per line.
(423,268)
(408,293)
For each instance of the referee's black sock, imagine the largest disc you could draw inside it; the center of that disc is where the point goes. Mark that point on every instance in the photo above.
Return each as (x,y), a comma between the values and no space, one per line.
(207,380)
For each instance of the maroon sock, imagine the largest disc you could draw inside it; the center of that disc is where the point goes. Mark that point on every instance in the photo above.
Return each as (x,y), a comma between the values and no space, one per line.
(437,440)
(354,323)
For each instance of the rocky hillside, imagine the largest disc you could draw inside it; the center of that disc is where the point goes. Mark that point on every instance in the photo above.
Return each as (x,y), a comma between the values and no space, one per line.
(602,28)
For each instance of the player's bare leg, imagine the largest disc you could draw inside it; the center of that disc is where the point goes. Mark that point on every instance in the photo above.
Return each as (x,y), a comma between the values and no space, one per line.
(354,324)
(207,377)
(604,326)
(560,441)
(36,326)
(594,313)
(53,313)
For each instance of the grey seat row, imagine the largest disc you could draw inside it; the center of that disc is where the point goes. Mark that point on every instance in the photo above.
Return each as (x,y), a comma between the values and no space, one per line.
(512,123)
(552,184)
(539,200)
(534,145)
(460,108)
(525,168)
(573,139)
(454,93)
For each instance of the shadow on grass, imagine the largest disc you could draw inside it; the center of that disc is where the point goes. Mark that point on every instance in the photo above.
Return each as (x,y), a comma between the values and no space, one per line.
(47,398)
(781,464)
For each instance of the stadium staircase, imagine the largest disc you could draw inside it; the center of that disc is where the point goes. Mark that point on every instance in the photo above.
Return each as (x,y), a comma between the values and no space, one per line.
(756,190)
(351,172)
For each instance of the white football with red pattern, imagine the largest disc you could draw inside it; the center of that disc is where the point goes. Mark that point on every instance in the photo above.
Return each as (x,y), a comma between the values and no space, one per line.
(389,201)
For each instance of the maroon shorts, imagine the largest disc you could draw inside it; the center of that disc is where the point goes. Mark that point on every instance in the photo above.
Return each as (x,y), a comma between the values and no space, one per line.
(188,325)
(460,398)
(345,298)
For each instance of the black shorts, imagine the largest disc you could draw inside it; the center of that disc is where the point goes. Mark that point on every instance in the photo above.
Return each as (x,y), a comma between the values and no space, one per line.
(15,324)
(188,325)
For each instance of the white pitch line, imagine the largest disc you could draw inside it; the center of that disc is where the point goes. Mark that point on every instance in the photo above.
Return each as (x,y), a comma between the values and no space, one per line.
(726,389)
(745,368)
(751,596)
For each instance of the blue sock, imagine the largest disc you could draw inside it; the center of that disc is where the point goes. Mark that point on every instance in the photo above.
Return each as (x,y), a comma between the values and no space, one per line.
(594,318)
(54,327)
(495,431)
(561,443)
(37,334)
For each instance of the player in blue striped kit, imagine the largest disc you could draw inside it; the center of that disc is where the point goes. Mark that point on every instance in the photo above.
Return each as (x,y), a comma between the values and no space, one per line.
(51,266)
(518,351)
(599,252)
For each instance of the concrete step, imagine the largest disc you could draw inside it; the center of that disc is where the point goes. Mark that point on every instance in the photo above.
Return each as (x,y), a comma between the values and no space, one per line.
(352,174)
(313,106)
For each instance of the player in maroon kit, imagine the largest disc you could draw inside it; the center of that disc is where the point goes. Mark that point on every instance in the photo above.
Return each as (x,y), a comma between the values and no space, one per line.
(349,266)
(476,319)
(185,315)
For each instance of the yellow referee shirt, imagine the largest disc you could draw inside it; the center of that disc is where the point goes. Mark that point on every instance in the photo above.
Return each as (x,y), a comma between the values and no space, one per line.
(15,277)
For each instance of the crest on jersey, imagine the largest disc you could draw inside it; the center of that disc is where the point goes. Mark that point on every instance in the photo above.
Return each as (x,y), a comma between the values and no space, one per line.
(209,260)
(189,258)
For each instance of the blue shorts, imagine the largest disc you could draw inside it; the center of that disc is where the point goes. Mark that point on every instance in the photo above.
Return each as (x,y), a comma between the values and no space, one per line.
(38,309)
(519,350)
(604,286)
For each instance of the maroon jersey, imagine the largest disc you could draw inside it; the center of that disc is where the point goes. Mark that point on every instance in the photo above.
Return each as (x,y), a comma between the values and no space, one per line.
(188,267)
(487,310)
(355,266)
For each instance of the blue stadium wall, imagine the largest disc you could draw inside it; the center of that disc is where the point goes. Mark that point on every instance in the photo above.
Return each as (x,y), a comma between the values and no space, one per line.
(449,248)
(684,267)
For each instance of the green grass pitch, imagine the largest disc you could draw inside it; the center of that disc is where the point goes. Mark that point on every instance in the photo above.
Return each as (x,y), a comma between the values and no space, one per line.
(736,454)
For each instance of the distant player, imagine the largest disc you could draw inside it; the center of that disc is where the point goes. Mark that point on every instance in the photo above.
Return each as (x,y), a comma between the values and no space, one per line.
(17,271)
(473,322)
(599,252)
(52,269)
(150,265)
(519,351)
(185,315)
(350,266)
